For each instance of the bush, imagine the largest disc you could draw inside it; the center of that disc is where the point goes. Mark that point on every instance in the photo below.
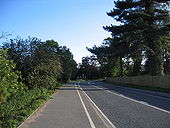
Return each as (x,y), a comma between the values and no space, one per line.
(8,77)
(21,105)
(45,75)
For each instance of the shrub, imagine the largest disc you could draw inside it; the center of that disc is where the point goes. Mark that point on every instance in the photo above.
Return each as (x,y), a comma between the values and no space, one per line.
(8,77)
(21,105)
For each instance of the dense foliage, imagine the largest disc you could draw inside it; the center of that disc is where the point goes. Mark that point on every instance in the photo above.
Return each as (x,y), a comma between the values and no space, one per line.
(9,79)
(141,39)
(89,68)
(21,105)
(69,65)
(42,64)
(30,71)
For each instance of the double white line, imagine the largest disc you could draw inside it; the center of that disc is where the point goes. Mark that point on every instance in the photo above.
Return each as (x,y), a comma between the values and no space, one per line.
(85,109)
(96,107)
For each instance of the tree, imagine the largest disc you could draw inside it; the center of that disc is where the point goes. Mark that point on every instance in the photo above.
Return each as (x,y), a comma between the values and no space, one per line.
(42,63)
(140,30)
(89,68)
(166,53)
(38,61)
(68,64)
(9,79)
(20,51)
(46,66)
(111,57)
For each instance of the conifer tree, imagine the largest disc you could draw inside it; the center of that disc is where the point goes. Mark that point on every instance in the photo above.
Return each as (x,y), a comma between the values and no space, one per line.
(141,29)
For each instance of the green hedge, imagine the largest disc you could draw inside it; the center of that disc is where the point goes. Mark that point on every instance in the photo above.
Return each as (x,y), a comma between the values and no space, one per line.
(19,106)
(9,79)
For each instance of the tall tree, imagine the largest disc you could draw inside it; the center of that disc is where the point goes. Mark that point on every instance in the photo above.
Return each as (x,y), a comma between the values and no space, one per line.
(112,56)
(140,29)
(69,65)
(29,55)
(42,63)
(46,66)
(166,53)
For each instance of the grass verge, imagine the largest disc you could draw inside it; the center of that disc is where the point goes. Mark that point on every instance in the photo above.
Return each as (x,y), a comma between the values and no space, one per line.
(80,80)
(158,89)
(19,106)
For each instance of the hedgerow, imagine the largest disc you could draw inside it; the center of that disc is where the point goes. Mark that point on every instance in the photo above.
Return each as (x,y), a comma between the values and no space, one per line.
(9,79)
(19,106)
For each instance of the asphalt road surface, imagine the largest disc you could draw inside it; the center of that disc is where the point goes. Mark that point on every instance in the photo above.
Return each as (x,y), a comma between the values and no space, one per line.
(130,108)
(94,104)
(69,108)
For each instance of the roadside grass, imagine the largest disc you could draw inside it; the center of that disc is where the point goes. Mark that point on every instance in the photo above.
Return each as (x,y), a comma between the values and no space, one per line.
(80,80)
(22,104)
(158,89)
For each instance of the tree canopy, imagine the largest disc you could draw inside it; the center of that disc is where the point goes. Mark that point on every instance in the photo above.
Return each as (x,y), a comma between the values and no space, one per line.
(42,63)
(138,38)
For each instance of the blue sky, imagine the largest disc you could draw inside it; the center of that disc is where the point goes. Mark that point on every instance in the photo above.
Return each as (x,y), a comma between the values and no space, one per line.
(76,24)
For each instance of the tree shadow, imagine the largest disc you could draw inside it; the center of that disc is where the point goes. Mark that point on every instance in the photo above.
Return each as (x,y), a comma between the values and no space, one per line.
(157,101)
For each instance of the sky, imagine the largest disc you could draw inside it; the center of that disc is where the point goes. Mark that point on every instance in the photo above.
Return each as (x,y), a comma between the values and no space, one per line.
(76,24)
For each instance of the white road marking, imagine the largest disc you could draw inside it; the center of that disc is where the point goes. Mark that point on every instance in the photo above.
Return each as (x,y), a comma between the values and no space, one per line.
(157,96)
(85,109)
(134,100)
(98,109)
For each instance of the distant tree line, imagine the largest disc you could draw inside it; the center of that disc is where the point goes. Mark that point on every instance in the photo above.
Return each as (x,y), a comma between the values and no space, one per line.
(89,68)
(140,45)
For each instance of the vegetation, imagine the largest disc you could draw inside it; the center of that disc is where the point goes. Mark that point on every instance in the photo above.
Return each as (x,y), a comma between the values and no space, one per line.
(9,79)
(30,71)
(139,45)
(41,63)
(21,105)
(69,65)
(89,68)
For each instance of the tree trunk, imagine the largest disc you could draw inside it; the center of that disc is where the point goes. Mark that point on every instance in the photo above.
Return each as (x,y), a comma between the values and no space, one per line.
(155,52)
(137,59)
(155,60)
(136,68)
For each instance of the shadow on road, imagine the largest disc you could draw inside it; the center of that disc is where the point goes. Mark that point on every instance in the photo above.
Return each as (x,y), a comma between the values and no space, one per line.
(160,102)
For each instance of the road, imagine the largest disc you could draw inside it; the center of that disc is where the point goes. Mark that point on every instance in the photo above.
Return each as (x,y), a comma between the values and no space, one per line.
(94,104)
(129,108)
(69,108)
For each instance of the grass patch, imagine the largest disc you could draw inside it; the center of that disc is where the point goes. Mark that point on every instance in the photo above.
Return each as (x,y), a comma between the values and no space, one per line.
(80,80)
(158,89)
(19,106)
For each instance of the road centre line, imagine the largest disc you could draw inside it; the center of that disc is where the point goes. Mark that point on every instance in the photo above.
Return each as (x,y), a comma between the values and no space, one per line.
(85,109)
(134,100)
(105,117)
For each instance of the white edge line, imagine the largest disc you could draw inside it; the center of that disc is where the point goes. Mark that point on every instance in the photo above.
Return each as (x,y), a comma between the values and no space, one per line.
(136,91)
(99,109)
(134,100)
(85,109)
